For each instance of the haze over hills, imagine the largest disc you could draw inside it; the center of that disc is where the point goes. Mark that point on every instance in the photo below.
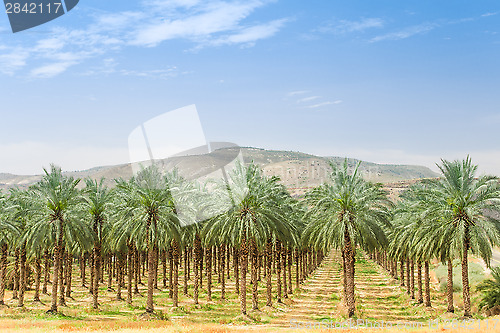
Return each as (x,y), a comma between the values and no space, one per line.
(296,170)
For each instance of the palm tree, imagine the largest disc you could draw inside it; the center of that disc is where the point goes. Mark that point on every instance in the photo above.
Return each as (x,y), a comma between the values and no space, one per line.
(344,213)
(258,213)
(462,202)
(96,203)
(8,232)
(20,214)
(146,210)
(52,201)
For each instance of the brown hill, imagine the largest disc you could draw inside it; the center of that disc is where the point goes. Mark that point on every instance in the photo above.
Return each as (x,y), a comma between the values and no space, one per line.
(298,171)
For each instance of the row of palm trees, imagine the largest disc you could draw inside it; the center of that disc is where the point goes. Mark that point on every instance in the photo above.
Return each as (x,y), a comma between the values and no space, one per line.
(444,219)
(158,216)
(137,224)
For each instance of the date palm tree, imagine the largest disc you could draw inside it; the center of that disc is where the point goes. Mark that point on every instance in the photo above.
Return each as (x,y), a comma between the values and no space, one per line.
(146,210)
(259,212)
(53,200)
(96,206)
(346,212)
(8,233)
(461,203)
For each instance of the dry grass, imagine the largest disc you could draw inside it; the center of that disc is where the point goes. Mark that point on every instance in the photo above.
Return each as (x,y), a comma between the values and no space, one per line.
(379,298)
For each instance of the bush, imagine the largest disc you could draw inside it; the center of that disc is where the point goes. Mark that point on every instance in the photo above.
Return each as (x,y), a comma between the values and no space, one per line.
(490,290)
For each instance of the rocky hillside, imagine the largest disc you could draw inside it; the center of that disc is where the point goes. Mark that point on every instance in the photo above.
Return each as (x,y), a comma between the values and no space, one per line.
(298,171)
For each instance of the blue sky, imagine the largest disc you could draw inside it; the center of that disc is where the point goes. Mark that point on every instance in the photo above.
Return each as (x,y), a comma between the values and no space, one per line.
(384,81)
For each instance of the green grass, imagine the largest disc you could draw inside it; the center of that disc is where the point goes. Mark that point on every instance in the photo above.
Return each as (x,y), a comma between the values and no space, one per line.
(476,275)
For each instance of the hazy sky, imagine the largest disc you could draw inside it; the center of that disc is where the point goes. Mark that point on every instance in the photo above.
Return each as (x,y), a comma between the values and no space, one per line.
(385,81)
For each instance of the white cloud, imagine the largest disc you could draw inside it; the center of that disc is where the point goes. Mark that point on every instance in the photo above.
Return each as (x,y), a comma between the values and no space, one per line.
(324,104)
(425,27)
(171,4)
(203,23)
(346,26)
(298,92)
(407,32)
(50,44)
(248,36)
(308,99)
(157,73)
(121,20)
(51,70)
(13,61)
(213,18)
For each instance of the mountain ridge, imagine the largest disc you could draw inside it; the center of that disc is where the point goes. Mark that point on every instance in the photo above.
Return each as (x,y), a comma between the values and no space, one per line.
(295,169)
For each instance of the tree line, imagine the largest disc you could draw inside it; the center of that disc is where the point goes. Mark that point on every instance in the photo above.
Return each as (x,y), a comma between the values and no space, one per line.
(157,222)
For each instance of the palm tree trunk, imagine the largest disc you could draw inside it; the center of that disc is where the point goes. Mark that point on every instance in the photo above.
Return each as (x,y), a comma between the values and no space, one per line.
(175,254)
(22,275)
(208,258)
(69,271)
(427,279)
(155,269)
(254,256)
(164,268)
(222,249)
(215,262)
(92,275)
(289,253)
(170,273)
(260,266)
(138,259)
(408,284)
(130,272)
(402,274)
(57,260)
(111,263)
(201,265)
(3,267)
(46,272)
(62,300)
(449,287)
(465,279)
(302,266)
(96,270)
(219,266)
(228,261)
(412,279)
(350,261)
(186,273)
(16,275)
(119,272)
(38,277)
(344,274)
(297,277)
(83,269)
(188,263)
(151,277)
(283,268)
(269,285)
(197,270)
(278,270)
(236,266)
(136,271)
(243,282)
(420,297)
